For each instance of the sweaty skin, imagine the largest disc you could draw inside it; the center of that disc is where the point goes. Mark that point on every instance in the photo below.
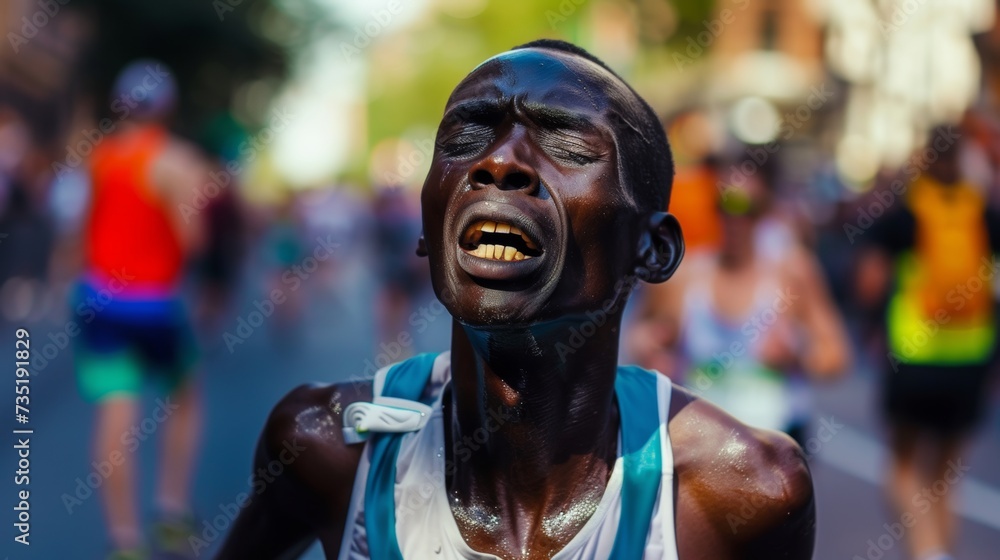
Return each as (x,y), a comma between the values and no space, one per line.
(533,138)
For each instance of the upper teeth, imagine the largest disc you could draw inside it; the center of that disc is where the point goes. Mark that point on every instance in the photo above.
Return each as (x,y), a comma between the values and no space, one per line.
(496,252)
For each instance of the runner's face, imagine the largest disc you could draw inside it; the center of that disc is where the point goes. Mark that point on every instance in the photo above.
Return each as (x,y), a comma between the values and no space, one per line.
(525,216)
(945,167)
(740,209)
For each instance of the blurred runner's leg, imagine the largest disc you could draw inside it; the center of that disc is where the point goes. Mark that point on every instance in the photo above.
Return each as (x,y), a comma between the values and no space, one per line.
(116,416)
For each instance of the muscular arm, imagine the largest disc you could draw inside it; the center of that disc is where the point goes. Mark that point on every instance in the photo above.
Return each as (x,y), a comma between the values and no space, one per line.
(269,526)
(742,493)
(179,173)
(309,499)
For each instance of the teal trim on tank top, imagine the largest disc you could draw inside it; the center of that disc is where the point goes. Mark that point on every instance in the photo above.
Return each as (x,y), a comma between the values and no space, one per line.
(642,460)
(405,380)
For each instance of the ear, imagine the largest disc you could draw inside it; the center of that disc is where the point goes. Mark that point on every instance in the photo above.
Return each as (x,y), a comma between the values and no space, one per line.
(661,248)
(421,246)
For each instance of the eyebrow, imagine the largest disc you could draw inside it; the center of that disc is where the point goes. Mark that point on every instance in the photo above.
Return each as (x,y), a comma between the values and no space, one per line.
(558,118)
(492,110)
(477,110)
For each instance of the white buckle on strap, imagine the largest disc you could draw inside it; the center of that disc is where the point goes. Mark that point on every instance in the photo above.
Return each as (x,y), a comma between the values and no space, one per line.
(385,415)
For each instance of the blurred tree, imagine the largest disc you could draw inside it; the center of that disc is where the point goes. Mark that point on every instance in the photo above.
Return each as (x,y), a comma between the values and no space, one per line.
(212,46)
(692,16)
(412,74)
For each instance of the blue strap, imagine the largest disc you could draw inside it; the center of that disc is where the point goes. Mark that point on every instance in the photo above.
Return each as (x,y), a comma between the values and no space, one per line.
(405,380)
(642,459)
(636,391)
(408,379)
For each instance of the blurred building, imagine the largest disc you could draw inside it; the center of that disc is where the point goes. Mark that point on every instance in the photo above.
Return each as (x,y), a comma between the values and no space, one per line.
(772,49)
(39,74)
(910,66)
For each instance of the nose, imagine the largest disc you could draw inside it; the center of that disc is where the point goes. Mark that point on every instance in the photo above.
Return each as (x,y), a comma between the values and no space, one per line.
(503,168)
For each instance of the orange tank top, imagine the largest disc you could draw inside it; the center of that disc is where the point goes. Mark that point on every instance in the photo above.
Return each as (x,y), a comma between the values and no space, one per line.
(129,232)
(693,201)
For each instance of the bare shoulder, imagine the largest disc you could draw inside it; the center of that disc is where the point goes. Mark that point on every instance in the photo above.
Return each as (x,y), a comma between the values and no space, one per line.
(745,489)
(302,477)
(303,434)
(179,165)
(180,151)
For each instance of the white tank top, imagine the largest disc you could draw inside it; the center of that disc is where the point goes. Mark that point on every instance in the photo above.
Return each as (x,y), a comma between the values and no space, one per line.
(426,528)
(738,383)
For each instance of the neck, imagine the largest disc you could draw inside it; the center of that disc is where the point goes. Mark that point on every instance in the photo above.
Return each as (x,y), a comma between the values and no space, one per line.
(532,411)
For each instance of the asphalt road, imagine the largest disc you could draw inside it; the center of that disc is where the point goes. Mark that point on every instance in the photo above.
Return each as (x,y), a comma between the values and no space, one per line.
(333,341)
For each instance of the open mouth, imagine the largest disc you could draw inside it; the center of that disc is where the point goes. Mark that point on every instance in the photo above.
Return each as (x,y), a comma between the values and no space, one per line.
(498,241)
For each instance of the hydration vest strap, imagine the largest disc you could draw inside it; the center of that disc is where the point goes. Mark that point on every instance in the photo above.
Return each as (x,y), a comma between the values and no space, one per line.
(405,380)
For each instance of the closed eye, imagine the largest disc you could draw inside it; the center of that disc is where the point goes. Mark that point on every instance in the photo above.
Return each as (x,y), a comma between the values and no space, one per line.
(570,148)
(466,141)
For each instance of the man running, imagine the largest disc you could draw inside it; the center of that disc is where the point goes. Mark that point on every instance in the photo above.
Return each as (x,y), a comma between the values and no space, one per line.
(542,207)
(134,325)
(939,247)
(746,326)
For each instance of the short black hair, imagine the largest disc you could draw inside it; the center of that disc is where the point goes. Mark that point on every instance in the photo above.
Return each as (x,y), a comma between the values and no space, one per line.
(646,161)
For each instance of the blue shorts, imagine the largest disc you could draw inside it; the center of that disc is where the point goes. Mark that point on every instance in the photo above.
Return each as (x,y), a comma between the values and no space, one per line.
(124,342)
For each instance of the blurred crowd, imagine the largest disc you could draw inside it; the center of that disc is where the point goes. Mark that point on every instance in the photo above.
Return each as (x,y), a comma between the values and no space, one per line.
(795,275)
(792,277)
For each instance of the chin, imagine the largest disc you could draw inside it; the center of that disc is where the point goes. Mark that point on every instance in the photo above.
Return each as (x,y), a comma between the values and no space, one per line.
(479,306)
(483,294)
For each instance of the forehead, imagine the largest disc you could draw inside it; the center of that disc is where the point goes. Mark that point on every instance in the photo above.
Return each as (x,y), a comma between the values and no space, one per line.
(545,77)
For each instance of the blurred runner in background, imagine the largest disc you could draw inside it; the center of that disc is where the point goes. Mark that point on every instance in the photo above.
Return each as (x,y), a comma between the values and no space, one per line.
(134,324)
(24,265)
(225,223)
(934,254)
(696,179)
(222,257)
(403,274)
(745,325)
(284,248)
